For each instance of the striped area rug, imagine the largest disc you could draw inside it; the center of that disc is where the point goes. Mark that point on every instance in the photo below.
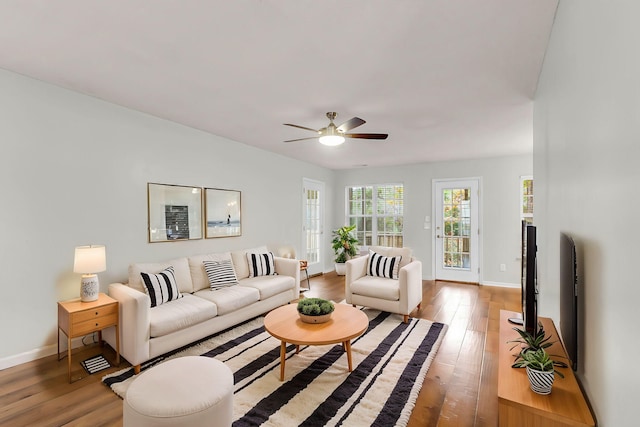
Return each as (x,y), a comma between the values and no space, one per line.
(390,361)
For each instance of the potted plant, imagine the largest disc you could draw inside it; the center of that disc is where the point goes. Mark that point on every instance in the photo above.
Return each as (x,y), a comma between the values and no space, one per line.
(345,246)
(528,341)
(540,370)
(315,310)
(531,342)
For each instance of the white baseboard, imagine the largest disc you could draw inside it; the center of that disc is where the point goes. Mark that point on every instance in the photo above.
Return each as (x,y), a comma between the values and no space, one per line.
(501,284)
(38,353)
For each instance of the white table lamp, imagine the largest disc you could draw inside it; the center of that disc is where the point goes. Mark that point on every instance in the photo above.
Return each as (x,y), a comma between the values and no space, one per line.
(89,260)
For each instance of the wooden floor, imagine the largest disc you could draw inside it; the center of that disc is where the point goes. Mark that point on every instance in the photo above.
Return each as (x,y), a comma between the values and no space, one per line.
(460,388)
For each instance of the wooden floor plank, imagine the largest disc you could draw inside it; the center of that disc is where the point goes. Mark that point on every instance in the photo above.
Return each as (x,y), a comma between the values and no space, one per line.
(459,389)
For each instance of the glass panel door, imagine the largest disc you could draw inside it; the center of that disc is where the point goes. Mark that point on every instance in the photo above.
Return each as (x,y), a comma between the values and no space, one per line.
(456,230)
(312,225)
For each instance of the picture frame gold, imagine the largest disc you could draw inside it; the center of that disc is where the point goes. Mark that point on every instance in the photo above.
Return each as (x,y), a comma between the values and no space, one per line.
(174,212)
(223,213)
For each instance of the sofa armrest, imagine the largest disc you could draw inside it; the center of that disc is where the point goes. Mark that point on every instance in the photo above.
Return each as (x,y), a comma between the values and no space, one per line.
(134,325)
(410,281)
(289,267)
(356,268)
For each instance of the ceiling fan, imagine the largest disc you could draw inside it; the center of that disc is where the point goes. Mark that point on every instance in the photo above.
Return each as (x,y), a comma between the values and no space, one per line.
(335,135)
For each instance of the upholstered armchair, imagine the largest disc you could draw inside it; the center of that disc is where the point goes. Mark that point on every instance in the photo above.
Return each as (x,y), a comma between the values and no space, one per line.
(387,279)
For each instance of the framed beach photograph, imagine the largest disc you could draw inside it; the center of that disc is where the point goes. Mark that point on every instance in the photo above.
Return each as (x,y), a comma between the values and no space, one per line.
(222,212)
(174,212)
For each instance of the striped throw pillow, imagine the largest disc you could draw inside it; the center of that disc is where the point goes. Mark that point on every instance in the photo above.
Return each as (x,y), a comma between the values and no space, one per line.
(161,287)
(382,266)
(261,264)
(220,273)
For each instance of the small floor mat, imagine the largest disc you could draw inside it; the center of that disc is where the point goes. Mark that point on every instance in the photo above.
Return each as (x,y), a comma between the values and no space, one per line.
(95,364)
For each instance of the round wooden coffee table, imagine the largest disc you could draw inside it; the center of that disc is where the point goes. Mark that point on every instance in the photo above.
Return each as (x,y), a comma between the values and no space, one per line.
(284,324)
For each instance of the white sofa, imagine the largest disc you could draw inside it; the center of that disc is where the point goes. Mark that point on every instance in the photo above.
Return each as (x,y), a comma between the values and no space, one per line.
(147,332)
(400,295)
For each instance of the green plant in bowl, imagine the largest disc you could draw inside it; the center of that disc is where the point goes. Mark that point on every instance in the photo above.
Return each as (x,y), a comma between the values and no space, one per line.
(315,306)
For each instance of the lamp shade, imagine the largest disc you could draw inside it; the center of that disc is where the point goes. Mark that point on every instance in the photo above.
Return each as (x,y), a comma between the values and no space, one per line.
(90,259)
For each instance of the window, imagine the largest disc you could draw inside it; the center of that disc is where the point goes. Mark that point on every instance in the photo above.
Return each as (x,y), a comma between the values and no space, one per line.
(377,212)
(526,198)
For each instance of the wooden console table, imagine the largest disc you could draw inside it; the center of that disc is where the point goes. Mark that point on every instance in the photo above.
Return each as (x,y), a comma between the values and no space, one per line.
(518,406)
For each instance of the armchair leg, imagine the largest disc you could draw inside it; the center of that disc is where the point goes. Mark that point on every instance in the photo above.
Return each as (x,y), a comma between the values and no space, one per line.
(406,318)
(353,305)
(419,306)
(136,369)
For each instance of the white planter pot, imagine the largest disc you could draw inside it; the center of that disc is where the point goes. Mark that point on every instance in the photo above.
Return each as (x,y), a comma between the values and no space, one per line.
(341,269)
(540,381)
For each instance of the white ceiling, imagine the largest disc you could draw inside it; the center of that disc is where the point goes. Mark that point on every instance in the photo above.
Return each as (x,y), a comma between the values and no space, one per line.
(446,79)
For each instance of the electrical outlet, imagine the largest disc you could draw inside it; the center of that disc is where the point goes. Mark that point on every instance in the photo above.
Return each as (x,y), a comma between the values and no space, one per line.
(503,267)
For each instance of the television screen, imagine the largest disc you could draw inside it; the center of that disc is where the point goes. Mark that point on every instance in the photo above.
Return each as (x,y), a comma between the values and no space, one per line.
(529,280)
(569,298)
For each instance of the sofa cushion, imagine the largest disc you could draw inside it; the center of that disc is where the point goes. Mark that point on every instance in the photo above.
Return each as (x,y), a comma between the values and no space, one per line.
(405,253)
(269,285)
(377,287)
(220,274)
(240,263)
(179,314)
(383,266)
(261,264)
(161,287)
(231,298)
(198,273)
(180,267)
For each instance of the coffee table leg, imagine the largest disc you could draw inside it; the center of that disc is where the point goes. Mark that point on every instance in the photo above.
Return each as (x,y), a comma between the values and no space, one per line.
(347,346)
(283,357)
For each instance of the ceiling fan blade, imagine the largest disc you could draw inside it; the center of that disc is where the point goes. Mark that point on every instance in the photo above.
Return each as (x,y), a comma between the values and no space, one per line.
(351,124)
(301,127)
(300,139)
(366,135)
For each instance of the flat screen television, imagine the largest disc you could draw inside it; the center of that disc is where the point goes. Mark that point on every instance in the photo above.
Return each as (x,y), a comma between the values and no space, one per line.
(569,298)
(528,280)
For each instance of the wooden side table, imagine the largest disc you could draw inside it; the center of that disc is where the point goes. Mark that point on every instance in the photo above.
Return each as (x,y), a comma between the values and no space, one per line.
(77,318)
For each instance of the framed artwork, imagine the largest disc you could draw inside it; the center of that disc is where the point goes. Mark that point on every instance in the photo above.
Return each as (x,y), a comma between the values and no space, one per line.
(174,212)
(222,212)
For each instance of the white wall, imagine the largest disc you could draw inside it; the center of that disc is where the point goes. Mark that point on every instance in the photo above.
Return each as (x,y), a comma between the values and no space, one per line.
(74,171)
(586,153)
(500,199)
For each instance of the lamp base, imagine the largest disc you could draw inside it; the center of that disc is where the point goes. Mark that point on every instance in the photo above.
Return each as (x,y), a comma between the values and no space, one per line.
(89,287)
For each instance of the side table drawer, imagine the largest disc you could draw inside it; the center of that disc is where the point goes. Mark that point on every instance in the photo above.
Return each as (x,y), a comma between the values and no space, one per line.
(92,325)
(94,313)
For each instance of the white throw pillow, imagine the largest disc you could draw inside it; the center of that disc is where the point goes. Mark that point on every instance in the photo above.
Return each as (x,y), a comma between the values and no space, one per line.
(239,259)
(198,273)
(161,287)
(404,252)
(382,266)
(180,268)
(261,264)
(220,273)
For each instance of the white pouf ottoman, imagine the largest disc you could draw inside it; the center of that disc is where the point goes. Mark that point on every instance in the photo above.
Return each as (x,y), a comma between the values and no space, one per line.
(187,391)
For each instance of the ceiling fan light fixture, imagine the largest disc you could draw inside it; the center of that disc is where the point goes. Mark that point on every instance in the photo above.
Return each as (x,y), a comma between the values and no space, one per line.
(331,140)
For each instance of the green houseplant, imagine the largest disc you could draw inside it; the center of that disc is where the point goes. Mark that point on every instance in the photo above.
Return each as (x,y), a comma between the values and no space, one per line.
(531,342)
(534,357)
(345,246)
(528,341)
(540,370)
(315,310)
